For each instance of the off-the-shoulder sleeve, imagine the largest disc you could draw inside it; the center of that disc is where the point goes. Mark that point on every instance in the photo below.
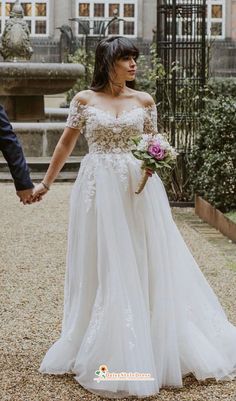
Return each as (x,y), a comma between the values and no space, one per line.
(150,120)
(76,117)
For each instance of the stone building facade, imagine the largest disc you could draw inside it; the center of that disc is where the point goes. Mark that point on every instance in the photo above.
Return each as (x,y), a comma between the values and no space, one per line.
(138,20)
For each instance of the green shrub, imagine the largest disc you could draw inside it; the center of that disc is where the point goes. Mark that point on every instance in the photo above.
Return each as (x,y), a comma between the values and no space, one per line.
(147,72)
(231,215)
(84,82)
(223,86)
(213,160)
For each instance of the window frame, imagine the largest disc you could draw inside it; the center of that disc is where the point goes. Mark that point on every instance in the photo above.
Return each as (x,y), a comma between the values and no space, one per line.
(33,18)
(209,21)
(91,17)
(211,3)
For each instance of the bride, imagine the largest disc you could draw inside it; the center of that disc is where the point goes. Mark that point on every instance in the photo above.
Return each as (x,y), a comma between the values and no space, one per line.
(138,312)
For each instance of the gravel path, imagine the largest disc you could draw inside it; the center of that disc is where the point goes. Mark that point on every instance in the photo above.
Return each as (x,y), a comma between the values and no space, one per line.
(32,267)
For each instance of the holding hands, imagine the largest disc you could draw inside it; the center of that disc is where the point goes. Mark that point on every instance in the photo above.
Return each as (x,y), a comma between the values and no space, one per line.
(25,195)
(33,195)
(39,191)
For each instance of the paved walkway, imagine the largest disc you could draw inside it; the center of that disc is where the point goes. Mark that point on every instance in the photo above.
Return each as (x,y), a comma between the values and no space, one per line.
(32,265)
(226,246)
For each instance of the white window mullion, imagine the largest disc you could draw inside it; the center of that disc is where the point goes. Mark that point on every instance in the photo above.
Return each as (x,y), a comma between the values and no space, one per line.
(3,16)
(91,22)
(136,19)
(106,11)
(223,19)
(33,20)
(122,16)
(48,18)
(208,20)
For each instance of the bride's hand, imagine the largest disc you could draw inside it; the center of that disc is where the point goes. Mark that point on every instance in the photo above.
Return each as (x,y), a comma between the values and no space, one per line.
(38,192)
(149,172)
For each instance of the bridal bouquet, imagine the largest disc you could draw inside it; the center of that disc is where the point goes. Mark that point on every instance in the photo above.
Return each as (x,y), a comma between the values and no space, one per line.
(155,152)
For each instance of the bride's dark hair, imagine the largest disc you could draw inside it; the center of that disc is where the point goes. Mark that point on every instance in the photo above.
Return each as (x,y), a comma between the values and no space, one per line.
(107,52)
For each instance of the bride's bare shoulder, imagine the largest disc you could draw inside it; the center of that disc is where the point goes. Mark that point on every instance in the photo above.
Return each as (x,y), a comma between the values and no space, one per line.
(145,99)
(83,96)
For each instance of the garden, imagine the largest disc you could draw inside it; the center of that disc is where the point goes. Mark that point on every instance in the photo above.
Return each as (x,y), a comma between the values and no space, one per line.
(205,135)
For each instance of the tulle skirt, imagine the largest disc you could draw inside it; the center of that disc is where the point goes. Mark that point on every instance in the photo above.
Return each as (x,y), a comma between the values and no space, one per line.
(136,304)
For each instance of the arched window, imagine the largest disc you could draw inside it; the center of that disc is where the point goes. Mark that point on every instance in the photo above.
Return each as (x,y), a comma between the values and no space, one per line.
(93,12)
(36,14)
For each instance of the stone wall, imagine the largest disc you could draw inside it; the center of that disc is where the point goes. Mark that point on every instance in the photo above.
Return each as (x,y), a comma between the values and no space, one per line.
(40,140)
(223,53)
(223,58)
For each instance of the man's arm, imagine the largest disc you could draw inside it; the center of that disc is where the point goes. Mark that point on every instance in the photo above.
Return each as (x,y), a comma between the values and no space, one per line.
(13,153)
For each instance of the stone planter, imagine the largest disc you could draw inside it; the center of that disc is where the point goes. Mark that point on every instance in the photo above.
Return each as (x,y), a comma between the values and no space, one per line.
(215,218)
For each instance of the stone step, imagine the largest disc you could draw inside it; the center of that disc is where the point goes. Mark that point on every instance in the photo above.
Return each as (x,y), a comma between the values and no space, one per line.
(40,164)
(56,113)
(68,176)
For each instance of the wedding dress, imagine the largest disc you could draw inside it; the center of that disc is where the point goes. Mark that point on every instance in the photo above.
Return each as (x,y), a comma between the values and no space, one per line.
(135,299)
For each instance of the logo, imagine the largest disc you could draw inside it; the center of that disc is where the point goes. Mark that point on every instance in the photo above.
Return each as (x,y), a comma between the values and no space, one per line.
(104,375)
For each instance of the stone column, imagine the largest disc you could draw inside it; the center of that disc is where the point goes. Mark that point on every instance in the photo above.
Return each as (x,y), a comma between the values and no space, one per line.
(74,25)
(148,18)
(140,21)
(233,20)
(227,19)
(52,22)
(62,13)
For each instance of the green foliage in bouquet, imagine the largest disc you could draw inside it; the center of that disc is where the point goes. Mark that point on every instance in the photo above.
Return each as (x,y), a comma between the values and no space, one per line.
(213,160)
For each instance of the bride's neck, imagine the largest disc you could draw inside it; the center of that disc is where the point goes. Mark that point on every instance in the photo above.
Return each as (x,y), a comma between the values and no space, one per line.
(115,88)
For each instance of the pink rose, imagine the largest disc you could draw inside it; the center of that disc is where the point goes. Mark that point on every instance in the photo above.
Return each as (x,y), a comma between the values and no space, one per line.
(156,151)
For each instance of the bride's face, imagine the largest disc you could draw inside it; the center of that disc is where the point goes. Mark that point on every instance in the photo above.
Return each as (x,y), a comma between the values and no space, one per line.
(124,69)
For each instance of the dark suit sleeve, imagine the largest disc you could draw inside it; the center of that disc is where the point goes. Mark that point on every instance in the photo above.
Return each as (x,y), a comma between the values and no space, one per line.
(13,153)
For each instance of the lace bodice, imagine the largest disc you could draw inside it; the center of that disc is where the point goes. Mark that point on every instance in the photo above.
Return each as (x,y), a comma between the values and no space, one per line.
(106,133)
(109,141)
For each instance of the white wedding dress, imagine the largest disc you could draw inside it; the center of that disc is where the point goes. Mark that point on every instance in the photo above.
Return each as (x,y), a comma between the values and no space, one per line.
(135,299)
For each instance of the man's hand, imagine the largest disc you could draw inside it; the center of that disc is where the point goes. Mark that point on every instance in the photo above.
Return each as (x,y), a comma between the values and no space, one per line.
(26,195)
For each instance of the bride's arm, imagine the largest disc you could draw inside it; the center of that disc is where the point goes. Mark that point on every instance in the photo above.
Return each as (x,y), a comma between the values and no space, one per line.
(62,151)
(150,117)
(74,127)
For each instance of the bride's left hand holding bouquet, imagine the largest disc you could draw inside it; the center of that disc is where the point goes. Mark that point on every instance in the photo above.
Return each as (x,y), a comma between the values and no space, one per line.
(155,152)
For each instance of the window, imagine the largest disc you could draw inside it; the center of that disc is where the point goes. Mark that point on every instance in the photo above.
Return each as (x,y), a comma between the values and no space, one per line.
(216,18)
(36,14)
(94,13)
(188,22)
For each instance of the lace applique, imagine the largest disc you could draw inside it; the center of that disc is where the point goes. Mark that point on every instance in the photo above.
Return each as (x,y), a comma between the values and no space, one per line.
(107,133)
(129,324)
(109,141)
(91,165)
(97,321)
(94,325)
(150,120)
(76,117)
